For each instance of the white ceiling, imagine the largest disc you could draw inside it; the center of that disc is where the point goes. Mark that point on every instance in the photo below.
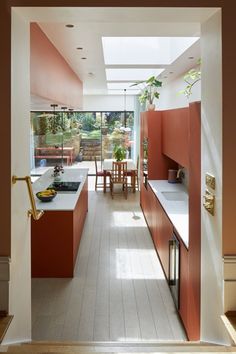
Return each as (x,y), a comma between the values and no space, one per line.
(91,24)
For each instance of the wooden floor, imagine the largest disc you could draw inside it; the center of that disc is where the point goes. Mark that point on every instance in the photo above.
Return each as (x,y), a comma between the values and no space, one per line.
(119,292)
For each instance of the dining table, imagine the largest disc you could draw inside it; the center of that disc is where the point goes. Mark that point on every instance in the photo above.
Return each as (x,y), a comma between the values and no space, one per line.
(107,167)
(55,152)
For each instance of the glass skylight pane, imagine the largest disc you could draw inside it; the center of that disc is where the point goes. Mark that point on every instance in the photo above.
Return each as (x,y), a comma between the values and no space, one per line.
(144,50)
(136,50)
(121,86)
(131,74)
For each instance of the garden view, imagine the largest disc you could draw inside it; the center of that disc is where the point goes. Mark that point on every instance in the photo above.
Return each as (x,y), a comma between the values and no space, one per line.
(72,137)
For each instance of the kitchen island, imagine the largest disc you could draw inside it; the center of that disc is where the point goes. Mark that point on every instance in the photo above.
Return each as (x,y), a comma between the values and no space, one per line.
(55,238)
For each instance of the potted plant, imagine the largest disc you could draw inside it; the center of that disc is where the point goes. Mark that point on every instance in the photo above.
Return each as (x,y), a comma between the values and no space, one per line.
(119,152)
(149,91)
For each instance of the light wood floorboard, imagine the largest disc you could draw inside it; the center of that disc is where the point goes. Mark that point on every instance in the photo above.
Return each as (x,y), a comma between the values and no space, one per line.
(118,293)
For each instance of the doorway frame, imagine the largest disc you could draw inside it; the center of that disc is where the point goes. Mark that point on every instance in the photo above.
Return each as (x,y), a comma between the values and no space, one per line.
(229,125)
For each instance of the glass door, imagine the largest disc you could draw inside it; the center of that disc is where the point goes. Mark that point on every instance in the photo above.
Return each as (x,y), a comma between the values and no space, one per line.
(117,129)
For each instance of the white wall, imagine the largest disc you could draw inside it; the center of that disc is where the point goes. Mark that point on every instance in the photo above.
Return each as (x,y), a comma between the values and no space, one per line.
(212,329)
(20,268)
(170,97)
(108,103)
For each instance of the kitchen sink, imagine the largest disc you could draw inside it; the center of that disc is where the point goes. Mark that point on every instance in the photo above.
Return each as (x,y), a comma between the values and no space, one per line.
(175,196)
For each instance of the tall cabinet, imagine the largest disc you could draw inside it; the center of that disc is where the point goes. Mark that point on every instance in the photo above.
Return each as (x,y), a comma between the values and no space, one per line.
(151,146)
(168,139)
(153,163)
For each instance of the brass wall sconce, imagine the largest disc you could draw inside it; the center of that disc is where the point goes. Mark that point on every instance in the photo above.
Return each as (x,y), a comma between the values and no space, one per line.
(210,181)
(209,202)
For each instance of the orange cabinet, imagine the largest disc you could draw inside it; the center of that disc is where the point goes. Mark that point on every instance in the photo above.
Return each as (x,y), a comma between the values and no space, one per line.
(56,238)
(151,146)
(184,285)
(163,236)
(175,131)
(175,135)
(162,230)
(159,225)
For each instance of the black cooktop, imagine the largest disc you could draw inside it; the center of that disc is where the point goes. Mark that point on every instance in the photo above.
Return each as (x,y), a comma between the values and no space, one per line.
(65,186)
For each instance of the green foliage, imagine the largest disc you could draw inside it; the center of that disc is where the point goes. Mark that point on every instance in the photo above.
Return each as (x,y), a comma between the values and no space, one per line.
(54,124)
(149,89)
(94,134)
(119,152)
(53,139)
(39,123)
(191,78)
(87,121)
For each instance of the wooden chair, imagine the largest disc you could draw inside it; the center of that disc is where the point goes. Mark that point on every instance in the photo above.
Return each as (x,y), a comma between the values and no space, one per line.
(98,175)
(119,176)
(136,175)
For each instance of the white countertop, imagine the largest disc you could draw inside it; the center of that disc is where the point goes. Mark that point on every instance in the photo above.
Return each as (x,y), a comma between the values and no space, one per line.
(62,201)
(177,211)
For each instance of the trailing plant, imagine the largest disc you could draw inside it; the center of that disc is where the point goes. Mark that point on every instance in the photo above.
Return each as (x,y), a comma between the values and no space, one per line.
(191,78)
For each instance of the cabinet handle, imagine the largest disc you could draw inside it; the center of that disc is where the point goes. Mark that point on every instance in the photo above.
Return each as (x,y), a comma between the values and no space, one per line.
(172,263)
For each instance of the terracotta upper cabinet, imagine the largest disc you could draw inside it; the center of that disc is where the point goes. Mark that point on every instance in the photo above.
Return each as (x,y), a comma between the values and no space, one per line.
(175,135)
(151,140)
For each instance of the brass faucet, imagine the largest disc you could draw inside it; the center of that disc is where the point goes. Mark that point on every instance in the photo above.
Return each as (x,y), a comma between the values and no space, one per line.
(180,173)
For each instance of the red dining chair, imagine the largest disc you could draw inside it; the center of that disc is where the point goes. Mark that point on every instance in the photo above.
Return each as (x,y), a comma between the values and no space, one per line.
(100,174)
(119,176)
(136,175)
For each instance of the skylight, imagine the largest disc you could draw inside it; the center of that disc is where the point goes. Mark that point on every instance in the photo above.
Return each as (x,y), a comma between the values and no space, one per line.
(131,74)
(144,50)
(121,86)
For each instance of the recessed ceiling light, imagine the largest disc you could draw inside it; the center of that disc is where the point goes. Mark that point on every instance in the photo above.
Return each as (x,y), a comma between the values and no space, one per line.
(70,26)
(191,57)
(83,58)
(79,48)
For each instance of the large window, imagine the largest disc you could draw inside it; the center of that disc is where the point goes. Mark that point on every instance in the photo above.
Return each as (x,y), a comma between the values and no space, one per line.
(70,138)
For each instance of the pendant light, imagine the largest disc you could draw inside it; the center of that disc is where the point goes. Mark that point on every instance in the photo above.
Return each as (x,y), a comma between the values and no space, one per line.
(125,118)
(62,128)
(54,105)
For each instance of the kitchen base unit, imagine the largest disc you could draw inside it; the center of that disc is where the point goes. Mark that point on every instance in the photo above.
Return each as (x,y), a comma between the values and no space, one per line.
(55,238)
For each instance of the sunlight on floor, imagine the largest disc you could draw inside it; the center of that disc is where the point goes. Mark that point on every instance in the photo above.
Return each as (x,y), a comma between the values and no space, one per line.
(137,264)
(128,219)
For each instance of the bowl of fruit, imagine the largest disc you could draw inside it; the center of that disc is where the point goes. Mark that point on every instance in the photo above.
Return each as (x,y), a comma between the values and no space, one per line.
(46,195)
